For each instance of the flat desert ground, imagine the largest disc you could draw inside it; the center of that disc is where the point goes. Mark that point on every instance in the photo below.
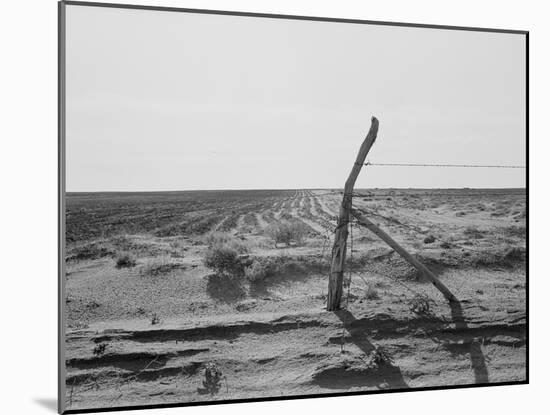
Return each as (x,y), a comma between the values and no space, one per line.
(146,317)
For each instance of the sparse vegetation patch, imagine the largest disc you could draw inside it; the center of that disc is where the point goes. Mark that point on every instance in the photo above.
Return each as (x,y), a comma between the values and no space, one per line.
(287,232)
(126,260)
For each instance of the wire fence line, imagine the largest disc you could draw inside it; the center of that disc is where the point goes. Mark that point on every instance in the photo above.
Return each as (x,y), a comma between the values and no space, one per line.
(484,166)
(416,229)
(419,193)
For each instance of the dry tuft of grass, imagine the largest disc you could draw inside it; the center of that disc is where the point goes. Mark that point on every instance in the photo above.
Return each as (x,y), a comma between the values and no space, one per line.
(155,319)
(515,231)
(420,305)
(474,233)
(429,239)
(381,357)
(99,350)
(160,266)
(257,271)
(212,379)
(126,260)
(92,250)
(371,293)
(216,239)
(287,232)
(224,254)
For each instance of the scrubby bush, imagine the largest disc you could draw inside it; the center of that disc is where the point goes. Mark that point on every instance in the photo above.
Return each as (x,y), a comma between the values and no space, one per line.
(224,254)
(215,239)
(420,305)
(287,232)
(93,250)
(160,266)
(224,259)
(212,379)
(125,260)
(429,239)
(99,350)
(257,271)
(155,319)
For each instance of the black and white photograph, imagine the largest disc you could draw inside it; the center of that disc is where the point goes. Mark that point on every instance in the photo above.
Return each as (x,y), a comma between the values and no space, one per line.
(262,206)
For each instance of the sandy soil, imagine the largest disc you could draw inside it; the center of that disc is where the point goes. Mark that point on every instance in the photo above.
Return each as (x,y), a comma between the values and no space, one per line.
(144,334)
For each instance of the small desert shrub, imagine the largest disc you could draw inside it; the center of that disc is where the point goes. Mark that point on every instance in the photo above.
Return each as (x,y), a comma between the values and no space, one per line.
(445,245)
(155,319)
(381,357)
(500,258)
(475,205)
(287,232)
(515,254)
(261,268)
(473,232)
(224,259)
(212,379)
(125,260)
(99,350)
(93,250)
(371,293)
(92,305)
(515,231)
(257,271)
(217,239)
(419,305)
(429,239)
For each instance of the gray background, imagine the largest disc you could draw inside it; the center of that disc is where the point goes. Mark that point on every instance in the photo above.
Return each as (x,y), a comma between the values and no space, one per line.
(176,101)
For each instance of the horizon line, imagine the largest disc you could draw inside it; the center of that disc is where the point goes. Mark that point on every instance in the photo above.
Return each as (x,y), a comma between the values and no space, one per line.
(296,188)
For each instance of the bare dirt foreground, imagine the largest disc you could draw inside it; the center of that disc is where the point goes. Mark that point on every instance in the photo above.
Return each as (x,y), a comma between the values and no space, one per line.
(149,323)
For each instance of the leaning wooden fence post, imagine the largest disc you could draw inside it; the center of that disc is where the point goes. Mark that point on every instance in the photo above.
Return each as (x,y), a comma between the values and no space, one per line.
(336,277)
(363,220)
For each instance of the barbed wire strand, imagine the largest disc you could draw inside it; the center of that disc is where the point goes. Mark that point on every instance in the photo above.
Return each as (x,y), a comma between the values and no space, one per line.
(485,166)
(338,192)
(408,193)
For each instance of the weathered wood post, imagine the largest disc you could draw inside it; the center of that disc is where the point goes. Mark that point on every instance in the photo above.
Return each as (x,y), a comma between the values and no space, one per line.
(336,277)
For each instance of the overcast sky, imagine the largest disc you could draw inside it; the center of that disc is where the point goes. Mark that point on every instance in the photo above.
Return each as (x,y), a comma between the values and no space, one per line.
(177,101)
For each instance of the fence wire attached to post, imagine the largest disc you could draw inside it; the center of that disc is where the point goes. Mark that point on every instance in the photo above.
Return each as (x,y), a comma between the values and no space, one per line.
(349,281)
(484,166)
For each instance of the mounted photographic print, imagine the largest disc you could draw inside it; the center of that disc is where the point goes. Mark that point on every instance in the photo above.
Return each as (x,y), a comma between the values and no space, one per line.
(261,207)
